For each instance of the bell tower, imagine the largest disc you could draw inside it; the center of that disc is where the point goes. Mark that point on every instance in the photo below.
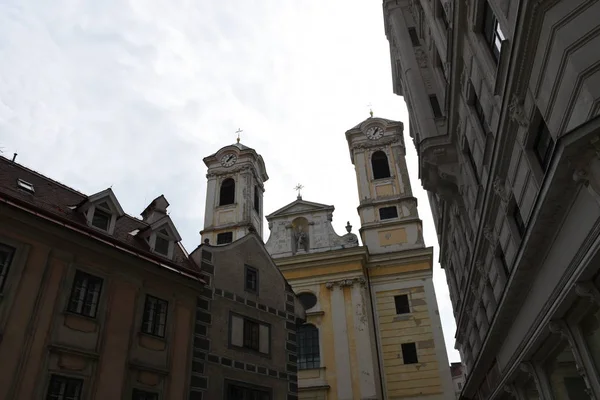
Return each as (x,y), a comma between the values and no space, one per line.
(234,194)
(388,211)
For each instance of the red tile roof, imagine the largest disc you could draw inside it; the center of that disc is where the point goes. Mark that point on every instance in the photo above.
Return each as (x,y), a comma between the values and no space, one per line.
(55,200)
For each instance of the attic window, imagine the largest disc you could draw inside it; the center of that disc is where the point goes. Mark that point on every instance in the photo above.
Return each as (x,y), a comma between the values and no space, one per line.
(101,219)
(161,245)
(26,186)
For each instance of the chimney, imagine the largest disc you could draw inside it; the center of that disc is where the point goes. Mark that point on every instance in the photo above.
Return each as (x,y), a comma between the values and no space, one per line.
(14,157)
(156,210)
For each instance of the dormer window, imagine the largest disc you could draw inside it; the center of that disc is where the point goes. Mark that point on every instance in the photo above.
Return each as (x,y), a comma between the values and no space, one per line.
(161,244)
(101,218)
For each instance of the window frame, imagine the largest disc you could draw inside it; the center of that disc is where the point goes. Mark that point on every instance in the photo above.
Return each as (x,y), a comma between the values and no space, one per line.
(408,308)
(495,37)
(81,302)
(221,192)
(66,380)
(154,327)
(243,347)
(416,353)
(228,383)
(248,270)
(383,217)
(543,133)
(315,356)
(105,213)
(379,169)
(229,233)
(6,267)
(167,243)
(256,204)
(253,341)
(436,108)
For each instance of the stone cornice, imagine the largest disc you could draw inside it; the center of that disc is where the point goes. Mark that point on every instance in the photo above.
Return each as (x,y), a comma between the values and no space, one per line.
(340,256)
(349,282)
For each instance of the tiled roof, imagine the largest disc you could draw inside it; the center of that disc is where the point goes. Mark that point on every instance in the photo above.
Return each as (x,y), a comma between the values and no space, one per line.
(57,200)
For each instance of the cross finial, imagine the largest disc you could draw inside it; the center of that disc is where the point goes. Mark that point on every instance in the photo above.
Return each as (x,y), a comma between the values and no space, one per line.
(238,133)
(298,188)
(370,109)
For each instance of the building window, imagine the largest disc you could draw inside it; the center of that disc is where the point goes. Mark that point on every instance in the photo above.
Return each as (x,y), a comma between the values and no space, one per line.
(155,316)
(249,334)
(308,347)
(227,192)
(6,256)
(241,391)
(161,245)
(308,300)
(224,238)
(85,294)
(409,353)
(101,219)
(414,38)
(26,186)
(251,279)
(471,160)
(442,15)
(435,106)
(256,199)
(543,145)
(402,306)
(379,163)
(491,31)
(388,212)
(520,224)
(63,388)
(143,395)
(479,112)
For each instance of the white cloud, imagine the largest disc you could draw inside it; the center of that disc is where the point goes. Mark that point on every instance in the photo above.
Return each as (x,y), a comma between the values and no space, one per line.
(135,93)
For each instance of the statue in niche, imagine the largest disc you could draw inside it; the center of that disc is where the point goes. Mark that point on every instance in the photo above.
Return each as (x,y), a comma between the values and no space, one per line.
(301,241)
(299,235)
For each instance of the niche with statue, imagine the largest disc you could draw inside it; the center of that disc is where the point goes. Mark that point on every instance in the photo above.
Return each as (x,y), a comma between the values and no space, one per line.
(300,236)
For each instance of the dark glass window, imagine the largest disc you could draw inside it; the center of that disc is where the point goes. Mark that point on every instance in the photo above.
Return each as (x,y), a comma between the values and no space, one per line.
(409,353)
(161,245)
(502,258)
(379,162)
(101,219)
(155,316)
(6,256)
(308,347)
(518,220)
(251,335)
(227,193)
(414,38)
(402,306)
(85,294)
(63,388)
(251,279)
(491,31)
(242,392)
(435,106)
(224,238)
(479,112)
(256,199)
(388,212)
(308,300)
(143,395)
(471,161)
(543,145)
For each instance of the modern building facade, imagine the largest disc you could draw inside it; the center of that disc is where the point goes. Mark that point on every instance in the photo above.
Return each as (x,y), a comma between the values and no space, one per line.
(504,101)
(372,326)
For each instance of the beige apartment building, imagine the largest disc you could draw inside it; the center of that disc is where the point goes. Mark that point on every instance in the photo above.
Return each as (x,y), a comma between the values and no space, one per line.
(504,101)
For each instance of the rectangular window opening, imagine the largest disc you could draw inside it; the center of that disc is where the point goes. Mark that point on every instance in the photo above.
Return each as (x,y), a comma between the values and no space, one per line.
(435,106)
(85,294)
(225,237)
(63,388)
(251,335)
(414,38)
(26,186)
(520,224)
(491,31)
(402,304)
(388,212)
(138,394)
(543,145)
(155,316)
(409,353)
(251,279)
(6,257)
(161,245)
(101,219)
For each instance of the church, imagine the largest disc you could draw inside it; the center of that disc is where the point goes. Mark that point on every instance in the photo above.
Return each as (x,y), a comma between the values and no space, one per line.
(372,328)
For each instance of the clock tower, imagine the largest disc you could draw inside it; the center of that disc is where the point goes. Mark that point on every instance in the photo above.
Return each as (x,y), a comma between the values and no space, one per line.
(234,194)
(388,210)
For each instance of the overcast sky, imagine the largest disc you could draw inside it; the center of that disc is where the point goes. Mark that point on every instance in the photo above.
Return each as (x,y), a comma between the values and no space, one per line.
(133,94)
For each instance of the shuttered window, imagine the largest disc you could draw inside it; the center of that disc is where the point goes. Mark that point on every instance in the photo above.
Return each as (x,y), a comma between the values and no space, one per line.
(250,334)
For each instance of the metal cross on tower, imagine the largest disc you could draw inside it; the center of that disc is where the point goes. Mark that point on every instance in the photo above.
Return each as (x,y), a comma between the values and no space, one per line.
(298,188)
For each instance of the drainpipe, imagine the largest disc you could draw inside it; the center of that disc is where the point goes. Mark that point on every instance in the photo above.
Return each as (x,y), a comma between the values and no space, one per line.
(383,394)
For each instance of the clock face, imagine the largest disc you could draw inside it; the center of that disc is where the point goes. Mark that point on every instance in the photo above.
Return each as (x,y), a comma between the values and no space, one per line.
(228,160)
(374,132)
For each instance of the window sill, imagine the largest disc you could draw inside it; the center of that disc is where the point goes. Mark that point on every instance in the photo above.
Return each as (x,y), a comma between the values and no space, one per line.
(152,342)
(314,313)
(226,206)
(250,351)
(79,322)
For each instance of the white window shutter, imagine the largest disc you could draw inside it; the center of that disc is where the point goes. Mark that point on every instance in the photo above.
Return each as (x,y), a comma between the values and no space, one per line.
(264,339)
(237,331)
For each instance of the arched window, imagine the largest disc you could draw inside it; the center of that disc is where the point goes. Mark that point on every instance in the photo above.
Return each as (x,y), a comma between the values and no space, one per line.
(308,300)
(227,194)
(308,347)
(379,162)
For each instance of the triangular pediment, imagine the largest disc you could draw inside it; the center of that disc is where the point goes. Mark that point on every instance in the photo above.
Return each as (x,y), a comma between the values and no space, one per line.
(299,207)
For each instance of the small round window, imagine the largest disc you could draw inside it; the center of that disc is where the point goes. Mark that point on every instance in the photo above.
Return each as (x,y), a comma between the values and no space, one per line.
(308,300)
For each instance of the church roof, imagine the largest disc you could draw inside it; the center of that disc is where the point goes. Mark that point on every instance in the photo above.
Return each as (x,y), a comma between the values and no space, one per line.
(299,207)
(389,121)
